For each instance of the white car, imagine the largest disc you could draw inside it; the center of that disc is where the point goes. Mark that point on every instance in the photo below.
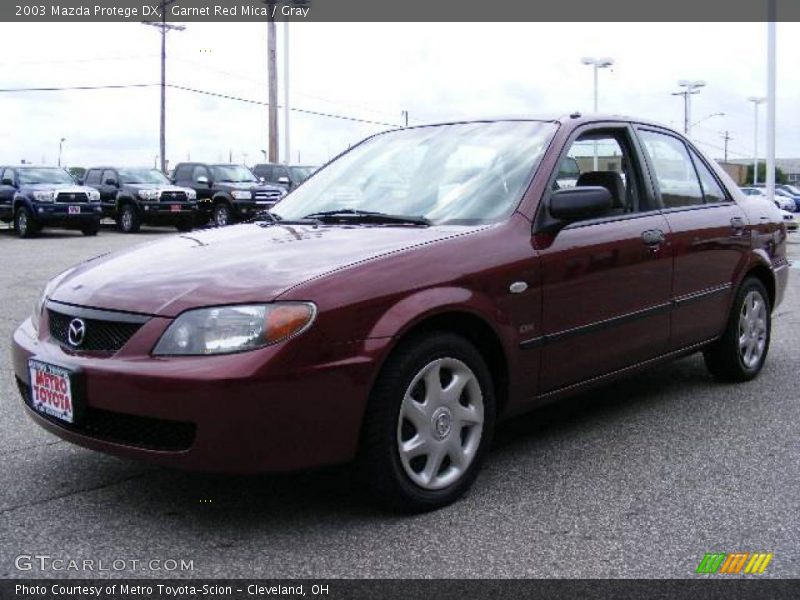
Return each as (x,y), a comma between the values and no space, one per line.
(782,202)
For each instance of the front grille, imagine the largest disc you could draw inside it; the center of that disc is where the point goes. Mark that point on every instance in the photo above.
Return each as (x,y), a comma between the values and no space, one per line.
(121,428)
(72,197)
(100,336)
(267,195)
(173,196)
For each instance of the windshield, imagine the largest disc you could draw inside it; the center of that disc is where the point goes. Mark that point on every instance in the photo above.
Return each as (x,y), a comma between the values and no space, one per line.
(232,174)
(300,174)
(466,173)
(44,175)
(142,176)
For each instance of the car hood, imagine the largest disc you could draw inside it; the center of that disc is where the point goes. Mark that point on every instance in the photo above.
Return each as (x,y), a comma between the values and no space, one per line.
(159,187)
(252,187)
(238,264)
(61,188)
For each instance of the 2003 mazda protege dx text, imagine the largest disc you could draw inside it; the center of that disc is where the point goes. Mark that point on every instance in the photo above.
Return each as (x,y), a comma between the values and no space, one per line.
(423,285)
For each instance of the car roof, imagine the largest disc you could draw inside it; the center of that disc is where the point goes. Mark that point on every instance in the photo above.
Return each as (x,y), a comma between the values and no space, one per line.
(573,118)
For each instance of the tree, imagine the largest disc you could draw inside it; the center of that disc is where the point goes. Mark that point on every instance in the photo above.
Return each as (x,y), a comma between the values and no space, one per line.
(77,172)
(780,176)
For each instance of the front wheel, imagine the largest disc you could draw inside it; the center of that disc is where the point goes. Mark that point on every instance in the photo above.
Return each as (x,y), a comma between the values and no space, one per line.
(429,423)
(24,223)
(740,353)
(222,214)
(128,219)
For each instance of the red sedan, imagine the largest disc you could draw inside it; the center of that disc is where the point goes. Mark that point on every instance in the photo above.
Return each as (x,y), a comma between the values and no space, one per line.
(427,283)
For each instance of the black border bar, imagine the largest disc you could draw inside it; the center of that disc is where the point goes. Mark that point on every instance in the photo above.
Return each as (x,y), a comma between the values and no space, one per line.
(712,587)
(403,11)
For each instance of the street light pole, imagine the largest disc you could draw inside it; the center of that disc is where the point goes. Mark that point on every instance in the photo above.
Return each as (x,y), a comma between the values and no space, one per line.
(164,27)
(690,88)
(60,145)
(756,100)
(771,87)
(597,64)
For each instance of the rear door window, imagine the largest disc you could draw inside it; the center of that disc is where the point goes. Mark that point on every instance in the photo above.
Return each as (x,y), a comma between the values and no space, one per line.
(673,169)
(712,191)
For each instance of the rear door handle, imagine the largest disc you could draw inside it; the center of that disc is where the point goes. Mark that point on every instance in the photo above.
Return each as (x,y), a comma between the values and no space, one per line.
(653,237)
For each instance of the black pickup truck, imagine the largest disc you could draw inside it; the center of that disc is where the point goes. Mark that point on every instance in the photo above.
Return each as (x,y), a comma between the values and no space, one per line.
(136,196)
(37,197)
(226,193)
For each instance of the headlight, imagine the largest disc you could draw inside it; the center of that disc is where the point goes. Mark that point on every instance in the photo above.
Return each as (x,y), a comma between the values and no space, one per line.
(94,195)
(41,300)
(241,195)
(227,329)
(44,196)
(191,194)
(148,194)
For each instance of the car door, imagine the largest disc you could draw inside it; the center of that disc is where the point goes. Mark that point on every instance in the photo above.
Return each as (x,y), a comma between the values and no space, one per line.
(606,281)
(709,236)
(204,189)
(7,191)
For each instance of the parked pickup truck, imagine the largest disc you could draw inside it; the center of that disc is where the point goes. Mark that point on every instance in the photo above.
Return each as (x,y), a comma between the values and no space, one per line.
(36,197)
(136,196)
(226,193)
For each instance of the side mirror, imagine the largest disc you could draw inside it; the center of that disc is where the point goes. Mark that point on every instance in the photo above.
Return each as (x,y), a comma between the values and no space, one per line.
(202,179)
(578,203)
(261,180)
(7,181)
(284,180)
(110,181)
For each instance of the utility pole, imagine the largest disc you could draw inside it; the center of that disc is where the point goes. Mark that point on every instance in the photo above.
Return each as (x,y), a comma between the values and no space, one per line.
(771,88)
(726,137)
(164,27)
(60,147)
(286,147)
(690,88)
(272,73)
(404,114)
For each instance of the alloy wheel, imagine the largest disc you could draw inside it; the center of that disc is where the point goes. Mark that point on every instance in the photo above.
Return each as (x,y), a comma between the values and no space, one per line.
(127,219)
(221,215)
(22,223)
(752,329)
(440,423)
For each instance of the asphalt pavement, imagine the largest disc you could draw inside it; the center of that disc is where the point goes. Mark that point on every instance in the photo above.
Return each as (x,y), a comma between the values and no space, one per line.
(637,479)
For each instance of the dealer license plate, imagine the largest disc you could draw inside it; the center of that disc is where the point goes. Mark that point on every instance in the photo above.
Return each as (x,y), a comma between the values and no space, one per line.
(175,207)
(74,210)
(51,390)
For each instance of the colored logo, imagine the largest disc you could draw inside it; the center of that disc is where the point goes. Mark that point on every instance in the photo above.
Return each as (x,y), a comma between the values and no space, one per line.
(746,563)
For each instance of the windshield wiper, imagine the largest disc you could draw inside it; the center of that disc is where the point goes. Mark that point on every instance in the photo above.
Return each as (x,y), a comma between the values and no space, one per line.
(273,219)
(367,216)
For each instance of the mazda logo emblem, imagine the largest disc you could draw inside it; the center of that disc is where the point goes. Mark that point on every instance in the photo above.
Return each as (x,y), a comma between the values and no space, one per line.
(76,332)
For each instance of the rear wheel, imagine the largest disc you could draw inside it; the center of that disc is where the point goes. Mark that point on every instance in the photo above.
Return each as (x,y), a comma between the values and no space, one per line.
(24,223)
(428,424)
(90,230)
(128,219)
(740,353)
(184,225)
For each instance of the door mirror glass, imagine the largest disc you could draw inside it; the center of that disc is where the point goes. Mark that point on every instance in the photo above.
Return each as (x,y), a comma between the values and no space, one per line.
(7,181)
(579,203)
(202,179)
(111,181)
(283,180)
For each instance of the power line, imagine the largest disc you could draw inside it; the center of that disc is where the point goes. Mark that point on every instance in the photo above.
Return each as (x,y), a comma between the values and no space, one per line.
(197,91)
(293,109)
(79,87)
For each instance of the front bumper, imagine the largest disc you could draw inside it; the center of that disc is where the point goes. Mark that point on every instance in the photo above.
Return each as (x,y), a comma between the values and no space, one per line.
(285,407)
(67,215)
(164,213)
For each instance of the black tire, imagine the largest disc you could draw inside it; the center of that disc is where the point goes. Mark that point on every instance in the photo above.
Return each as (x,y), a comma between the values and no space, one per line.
(223,215)
(128,219)
(24,223)
(184,225)
(725,358)
(379,462)
(90,230)
(201,219)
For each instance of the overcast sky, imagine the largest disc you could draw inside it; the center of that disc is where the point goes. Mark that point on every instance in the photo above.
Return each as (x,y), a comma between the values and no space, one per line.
(372,72)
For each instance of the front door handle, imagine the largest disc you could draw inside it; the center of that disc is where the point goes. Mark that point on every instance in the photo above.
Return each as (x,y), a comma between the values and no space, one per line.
(737,225)
(653,237)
